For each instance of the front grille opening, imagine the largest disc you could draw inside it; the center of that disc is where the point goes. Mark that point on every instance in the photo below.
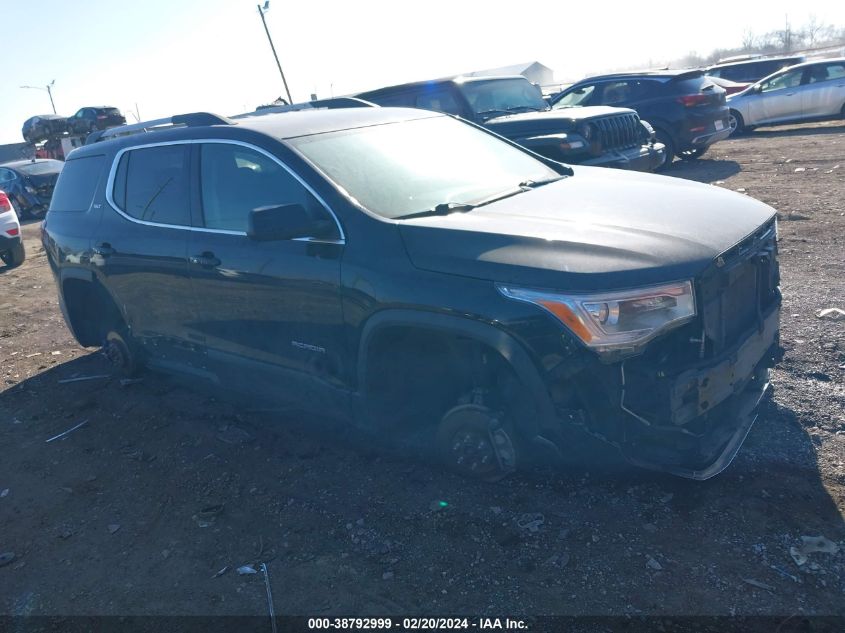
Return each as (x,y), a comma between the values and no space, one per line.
(619,131)
(735,296)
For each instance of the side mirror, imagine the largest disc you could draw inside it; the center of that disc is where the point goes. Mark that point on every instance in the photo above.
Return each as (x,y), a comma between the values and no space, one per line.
(285,222)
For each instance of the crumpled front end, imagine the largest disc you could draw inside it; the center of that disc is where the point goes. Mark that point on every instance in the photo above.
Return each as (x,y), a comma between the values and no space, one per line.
(686,404)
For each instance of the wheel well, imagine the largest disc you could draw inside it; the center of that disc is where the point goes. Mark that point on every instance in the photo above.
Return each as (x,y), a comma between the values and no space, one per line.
(90,310)
(414,375)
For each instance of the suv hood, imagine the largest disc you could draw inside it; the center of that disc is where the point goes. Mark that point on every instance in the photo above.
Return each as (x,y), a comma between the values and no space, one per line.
(599,229)
(548,121)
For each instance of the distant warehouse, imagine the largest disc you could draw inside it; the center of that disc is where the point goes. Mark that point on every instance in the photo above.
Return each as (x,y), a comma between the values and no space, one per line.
(535,72)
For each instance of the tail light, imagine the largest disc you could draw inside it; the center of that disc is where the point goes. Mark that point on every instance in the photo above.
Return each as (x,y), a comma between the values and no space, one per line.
(689,101)
(5,205)
(13,232)
(100,117)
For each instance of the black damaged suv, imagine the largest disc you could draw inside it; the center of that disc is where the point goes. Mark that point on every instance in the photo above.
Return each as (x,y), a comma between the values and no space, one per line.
(406,270)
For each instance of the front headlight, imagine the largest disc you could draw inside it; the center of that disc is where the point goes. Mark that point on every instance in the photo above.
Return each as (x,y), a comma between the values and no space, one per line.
(613,322)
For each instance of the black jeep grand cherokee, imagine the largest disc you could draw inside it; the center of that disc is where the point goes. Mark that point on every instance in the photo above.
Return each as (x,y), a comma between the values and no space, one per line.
(395,266)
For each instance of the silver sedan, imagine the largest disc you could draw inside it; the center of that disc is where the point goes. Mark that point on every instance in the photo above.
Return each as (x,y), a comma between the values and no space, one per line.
(809,91)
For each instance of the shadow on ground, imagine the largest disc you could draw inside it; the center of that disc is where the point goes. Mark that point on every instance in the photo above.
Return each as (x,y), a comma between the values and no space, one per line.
(705,169)
(165,486)
(802,130)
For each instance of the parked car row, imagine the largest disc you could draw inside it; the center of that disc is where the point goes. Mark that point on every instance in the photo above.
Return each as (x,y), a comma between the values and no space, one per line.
(84,121)
(514,108)
(691,110)
(807,91)
(686,109)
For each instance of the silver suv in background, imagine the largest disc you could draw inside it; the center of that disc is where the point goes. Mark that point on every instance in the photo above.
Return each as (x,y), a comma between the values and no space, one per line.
(804,92)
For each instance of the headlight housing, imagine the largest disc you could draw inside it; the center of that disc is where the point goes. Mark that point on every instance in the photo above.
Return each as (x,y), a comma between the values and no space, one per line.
(613,323)
(649,131)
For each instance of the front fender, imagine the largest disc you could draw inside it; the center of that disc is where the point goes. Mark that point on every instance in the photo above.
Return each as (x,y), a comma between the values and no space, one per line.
(494,337)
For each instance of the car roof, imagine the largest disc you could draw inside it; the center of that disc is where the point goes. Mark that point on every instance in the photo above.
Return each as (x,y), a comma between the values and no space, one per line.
(756,60)
(277,125)
(285,125)
(813,62)
(14,164)
(459,79)
(664,74)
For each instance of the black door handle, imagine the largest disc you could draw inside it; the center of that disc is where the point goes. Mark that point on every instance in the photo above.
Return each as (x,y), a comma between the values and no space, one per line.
(205,259)
(104,249)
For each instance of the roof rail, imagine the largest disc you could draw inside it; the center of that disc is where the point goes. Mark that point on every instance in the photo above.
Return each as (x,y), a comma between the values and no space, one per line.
(319,104)
(192,119)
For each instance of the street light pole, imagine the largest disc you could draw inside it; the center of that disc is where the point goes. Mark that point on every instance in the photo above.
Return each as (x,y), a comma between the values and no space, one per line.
(261,12)
(49,90)
(50,94)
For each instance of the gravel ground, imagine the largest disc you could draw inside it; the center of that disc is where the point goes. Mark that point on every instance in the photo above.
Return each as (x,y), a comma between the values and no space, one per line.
(139,510)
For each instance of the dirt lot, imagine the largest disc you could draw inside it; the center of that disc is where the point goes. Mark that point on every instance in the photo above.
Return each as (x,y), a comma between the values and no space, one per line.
(111,520)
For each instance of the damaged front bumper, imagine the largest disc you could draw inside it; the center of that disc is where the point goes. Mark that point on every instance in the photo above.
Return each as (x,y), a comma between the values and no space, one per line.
(697,417)
(643,158)
(711,410)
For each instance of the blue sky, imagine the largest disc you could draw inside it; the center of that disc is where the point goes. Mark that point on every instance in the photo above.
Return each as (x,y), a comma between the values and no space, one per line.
(170,56)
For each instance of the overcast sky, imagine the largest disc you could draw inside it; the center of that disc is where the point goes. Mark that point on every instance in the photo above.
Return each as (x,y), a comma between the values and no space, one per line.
(171,56)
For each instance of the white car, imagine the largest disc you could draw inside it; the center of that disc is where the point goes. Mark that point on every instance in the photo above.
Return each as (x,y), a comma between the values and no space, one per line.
(809,91)
(11,241)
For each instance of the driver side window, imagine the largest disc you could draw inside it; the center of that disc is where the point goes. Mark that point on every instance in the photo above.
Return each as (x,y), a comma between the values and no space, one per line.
(236,180)
(790,79)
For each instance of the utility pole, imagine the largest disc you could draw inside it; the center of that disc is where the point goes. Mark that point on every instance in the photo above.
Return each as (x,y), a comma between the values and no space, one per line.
(49,89)
(261,12)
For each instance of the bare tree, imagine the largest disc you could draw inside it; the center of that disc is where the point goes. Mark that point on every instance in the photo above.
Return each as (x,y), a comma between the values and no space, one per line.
(785,37)
(818,32)
(749,40)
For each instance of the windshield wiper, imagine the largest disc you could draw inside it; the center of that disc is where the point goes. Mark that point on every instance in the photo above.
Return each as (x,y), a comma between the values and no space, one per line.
(533,184)
(491,113)
(521,108)
(444,208)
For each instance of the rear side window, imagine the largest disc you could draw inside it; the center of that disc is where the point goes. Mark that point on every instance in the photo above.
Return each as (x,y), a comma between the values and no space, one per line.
(689,86)
(77,183)
(628,91)
(151,184)
(826,72)
(395,100)
(440,100)
(734,73)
